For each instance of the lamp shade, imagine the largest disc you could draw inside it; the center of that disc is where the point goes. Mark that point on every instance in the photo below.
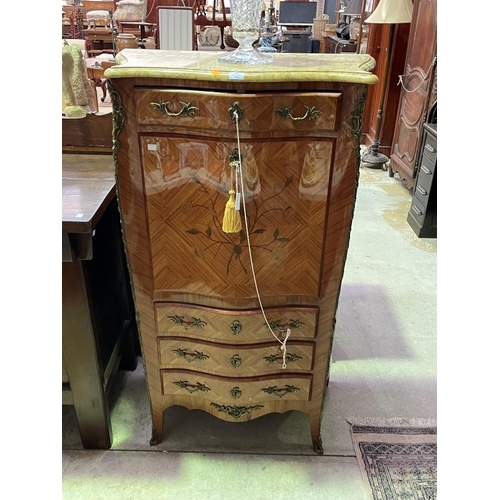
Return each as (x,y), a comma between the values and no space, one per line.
(391,12)
(354,8)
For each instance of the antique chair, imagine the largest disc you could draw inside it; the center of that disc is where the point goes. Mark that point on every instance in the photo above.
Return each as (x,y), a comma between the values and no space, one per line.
(131,10)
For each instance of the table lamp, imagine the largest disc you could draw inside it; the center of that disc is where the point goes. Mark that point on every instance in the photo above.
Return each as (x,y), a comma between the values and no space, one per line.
(353,10)
(390,12)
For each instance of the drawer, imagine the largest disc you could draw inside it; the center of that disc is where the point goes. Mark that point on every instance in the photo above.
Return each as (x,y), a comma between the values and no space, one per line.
(422,190)
(235,326)
(417,210)
(430,147)
(426,169)
(209,111)
(233,360)
(245,390)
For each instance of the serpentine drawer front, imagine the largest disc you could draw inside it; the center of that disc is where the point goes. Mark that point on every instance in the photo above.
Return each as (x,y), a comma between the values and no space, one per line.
(235,326)
(234,360)
(236,308)
(205,111)
(244,390)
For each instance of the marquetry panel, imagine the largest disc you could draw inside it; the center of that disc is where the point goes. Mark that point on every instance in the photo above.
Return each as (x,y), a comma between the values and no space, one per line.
(241,390)
(233,360)
(307,112)
(187,184)
(235,326)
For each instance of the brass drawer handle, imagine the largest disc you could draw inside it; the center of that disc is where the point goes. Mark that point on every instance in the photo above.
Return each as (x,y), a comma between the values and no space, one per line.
(184,384)
(311,113)
(275,358)
(236,360)
(281,392)
(190,356)
(282,327)
(162,107)
(236,327)
(179,320)
(236,411)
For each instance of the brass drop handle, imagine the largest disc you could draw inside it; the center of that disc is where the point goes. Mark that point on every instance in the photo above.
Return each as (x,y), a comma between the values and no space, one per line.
(278,358)
(184,384)
(190,356)
(283,326)
(179,320)
(311,113)
(186,108)
(281,392)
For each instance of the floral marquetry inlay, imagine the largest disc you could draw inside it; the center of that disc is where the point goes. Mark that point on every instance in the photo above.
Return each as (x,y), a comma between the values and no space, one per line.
(284,188)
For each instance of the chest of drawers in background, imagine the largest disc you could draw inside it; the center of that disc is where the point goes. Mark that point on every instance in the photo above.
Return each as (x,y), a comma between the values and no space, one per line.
(422,215)
(206,342)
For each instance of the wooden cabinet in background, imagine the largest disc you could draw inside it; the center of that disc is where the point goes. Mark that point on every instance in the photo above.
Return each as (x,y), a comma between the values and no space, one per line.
(206,343)
(419,90)
(377,48)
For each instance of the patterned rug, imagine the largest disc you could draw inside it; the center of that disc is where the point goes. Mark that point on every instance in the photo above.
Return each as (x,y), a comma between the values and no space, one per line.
(397,457)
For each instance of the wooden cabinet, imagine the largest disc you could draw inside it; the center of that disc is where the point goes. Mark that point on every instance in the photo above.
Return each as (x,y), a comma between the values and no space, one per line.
(211,338)
(335,45)
(377,47)
(422,216)
(419,90)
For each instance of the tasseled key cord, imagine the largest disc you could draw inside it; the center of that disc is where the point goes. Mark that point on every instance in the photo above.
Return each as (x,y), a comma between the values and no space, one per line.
(237,207)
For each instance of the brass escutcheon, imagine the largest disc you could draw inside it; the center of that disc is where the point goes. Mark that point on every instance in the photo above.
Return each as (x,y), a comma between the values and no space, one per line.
(235,112)
(235,327)
(235,392)
(236,360)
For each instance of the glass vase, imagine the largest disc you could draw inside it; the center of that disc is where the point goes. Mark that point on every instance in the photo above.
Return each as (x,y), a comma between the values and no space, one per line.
(245,18)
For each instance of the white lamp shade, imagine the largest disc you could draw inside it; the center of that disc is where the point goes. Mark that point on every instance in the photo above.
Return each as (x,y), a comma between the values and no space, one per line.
(391,12)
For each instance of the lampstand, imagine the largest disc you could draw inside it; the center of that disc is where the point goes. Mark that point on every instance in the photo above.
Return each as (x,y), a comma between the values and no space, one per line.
(390,12)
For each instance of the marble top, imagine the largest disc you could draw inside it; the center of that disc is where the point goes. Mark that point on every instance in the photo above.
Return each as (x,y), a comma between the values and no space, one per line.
(196,65)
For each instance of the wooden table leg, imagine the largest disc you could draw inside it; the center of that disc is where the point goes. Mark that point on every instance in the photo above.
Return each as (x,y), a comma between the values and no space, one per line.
(82,359)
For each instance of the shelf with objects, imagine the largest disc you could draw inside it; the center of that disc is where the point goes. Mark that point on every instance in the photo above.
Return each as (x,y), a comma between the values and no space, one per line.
(350,32)
(295,21)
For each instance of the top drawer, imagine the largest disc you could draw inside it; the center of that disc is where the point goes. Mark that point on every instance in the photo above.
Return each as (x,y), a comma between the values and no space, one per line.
(204,111)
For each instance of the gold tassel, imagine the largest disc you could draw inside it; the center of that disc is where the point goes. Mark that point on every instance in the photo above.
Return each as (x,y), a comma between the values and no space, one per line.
(231,223)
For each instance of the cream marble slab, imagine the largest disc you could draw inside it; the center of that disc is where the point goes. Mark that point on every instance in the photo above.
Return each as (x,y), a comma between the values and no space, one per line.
(196,65)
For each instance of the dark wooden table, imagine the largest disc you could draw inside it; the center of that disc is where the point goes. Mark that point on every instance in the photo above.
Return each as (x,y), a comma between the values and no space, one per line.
(98,317)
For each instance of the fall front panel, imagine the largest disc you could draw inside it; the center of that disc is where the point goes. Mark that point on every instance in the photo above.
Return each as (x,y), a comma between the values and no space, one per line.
(285,191)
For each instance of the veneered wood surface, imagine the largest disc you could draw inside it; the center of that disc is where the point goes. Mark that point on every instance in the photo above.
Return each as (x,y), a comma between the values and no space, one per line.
(88,186)
(168,203)
(418,81)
